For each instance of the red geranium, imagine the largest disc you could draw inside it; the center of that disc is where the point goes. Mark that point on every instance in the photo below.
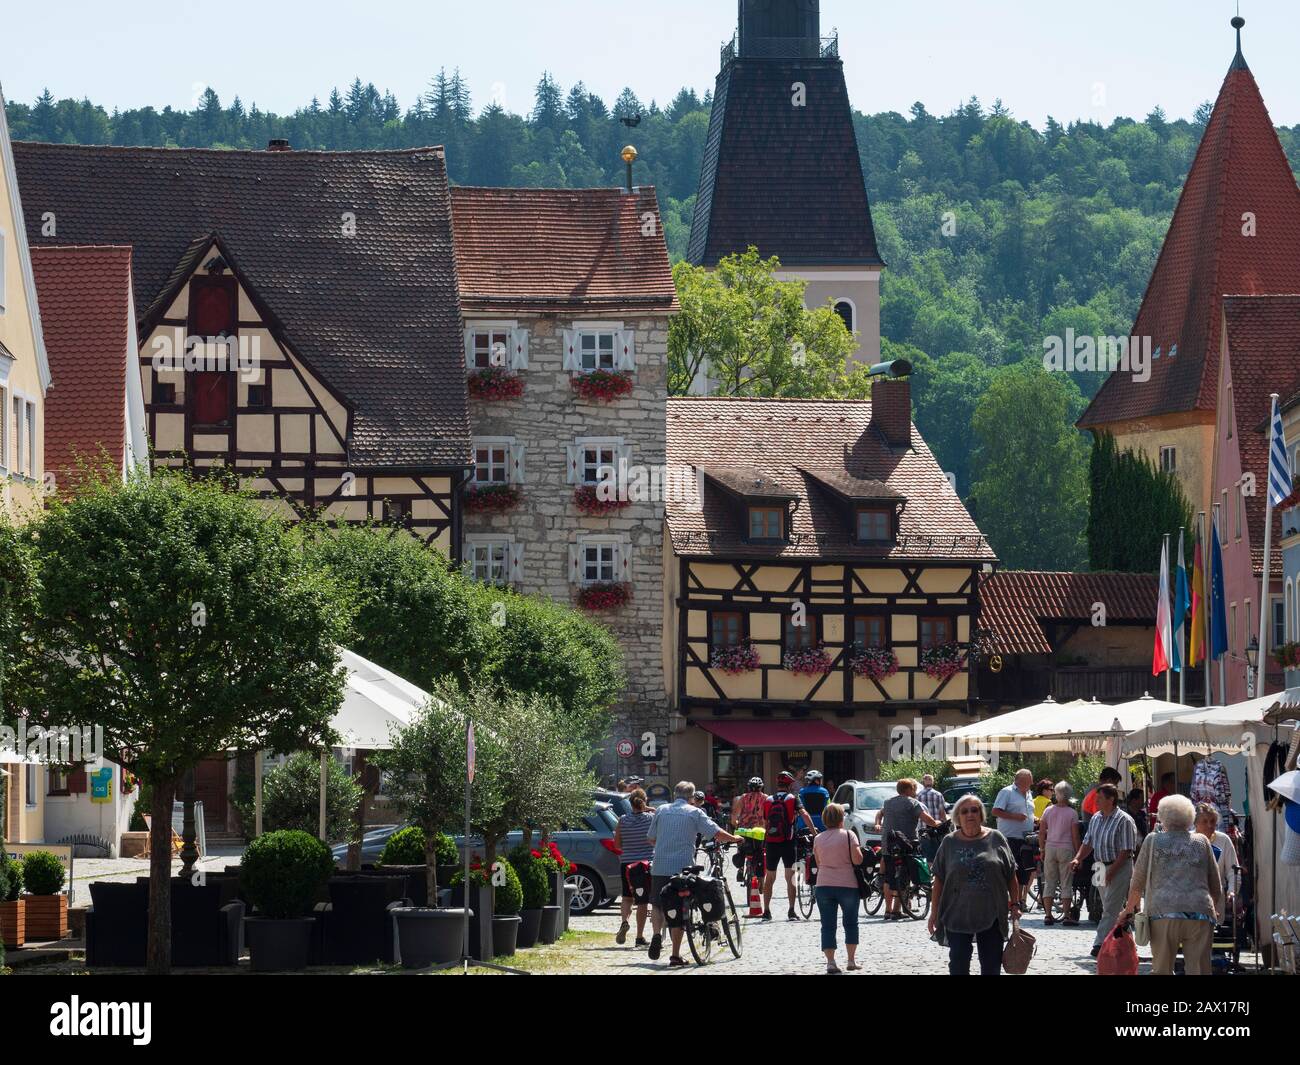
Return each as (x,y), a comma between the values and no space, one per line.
(603,596)
(587,499)
(495,383)
(492,498)
(602,386)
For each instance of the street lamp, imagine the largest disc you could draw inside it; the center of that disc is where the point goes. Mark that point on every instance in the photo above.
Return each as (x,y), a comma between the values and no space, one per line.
(1252,653)
(629,155)
(1253,679)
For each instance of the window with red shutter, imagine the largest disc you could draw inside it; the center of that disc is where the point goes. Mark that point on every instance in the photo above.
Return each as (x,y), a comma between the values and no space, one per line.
(211,397)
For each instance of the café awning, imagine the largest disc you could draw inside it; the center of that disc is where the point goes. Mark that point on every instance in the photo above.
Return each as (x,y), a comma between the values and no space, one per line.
(805,735)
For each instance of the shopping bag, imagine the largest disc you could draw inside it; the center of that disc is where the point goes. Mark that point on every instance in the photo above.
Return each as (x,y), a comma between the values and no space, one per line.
(1119,954)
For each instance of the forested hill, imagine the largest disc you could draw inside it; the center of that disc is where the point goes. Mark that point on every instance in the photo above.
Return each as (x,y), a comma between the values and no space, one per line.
(996,234)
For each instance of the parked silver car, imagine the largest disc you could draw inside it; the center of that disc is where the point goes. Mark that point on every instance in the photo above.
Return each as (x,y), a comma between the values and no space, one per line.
(863,800)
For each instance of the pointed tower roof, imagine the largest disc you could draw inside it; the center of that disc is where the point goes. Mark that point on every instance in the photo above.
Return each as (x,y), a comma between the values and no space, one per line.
(1236,229)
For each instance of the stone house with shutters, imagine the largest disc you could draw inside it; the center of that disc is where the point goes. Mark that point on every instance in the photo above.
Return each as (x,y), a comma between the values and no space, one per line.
(566,297)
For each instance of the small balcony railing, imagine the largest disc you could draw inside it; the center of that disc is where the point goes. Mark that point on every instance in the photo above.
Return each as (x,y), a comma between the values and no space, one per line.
(782,48)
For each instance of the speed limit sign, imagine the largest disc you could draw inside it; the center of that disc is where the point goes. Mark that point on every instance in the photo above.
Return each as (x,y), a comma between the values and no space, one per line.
(625,748)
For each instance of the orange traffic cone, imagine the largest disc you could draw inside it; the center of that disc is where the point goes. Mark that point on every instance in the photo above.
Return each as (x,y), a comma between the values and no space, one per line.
(755,898)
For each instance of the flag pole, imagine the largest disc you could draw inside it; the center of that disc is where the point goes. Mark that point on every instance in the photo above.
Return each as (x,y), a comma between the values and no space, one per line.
(1205,605)
(1184,647)
(1169,646)
(1268,545)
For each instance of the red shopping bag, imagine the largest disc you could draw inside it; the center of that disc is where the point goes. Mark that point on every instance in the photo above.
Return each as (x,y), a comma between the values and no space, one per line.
(1119,954)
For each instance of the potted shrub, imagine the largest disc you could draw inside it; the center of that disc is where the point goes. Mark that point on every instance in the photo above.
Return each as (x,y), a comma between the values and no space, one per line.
(535,894)
(13,909)
(508,900)
(557,867)
(47,906)
(283,874)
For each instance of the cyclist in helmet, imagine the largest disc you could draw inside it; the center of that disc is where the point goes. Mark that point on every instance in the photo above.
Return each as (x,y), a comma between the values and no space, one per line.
(814,797)
(747,807)
(781,816)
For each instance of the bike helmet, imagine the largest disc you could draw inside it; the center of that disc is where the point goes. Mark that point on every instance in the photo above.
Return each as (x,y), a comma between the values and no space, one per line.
(784,778)
(812,774)
(755,784)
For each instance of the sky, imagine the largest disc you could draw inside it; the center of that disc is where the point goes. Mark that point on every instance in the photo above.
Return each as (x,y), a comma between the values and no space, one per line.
(1093,59)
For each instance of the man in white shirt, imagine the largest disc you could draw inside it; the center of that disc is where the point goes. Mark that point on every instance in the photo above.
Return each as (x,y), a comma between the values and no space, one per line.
(1014,811)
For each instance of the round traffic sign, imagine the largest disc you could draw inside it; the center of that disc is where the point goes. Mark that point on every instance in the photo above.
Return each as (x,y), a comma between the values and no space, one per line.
(625,748)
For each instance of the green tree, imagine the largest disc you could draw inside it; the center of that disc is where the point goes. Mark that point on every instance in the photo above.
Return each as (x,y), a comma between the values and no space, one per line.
(1030,491)
(291,798)
(751,332)
(179,616)
(1133,505)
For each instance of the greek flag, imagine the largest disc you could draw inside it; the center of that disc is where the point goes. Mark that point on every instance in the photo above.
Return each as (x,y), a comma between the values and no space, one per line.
(1279,470)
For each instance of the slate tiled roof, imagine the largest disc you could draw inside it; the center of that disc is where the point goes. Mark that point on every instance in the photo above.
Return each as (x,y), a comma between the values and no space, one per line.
(1016,604)
(555,250)
(1239,169)
(783,178)
(783,438)
(1263,341)
(375,315)
(85,298)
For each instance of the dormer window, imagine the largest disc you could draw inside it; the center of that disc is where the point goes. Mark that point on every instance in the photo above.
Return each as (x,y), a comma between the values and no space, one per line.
(766,523)
(875,525)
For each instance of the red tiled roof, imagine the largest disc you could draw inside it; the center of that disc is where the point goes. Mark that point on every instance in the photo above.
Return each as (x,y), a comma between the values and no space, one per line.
(547,250)
(1239,168)
(85,298)
(785,438)
(1014,604)
(1263,339)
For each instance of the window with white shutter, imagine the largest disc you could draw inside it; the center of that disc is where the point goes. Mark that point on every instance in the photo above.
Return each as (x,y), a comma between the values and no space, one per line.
(517,463)
(594,459)
(600,560)
(493,460)
(491,345)
(592,346)
(625,349)
(516,563)
(490,559)
(519,349)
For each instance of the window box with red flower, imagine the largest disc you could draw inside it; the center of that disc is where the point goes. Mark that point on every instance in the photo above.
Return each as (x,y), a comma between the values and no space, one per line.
(943,661)
(1288,655)
(604,596)
(807,661)
(874,663)
(492,498)
(602,386)
(495,383)
(735,658)
(590,499)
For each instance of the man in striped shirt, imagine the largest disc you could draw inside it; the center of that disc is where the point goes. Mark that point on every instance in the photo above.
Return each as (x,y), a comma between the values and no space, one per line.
(674,832)
(932,799)
(1111,839)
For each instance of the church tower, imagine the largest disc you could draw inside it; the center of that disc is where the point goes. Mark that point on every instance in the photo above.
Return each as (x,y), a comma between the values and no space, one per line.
(781,169)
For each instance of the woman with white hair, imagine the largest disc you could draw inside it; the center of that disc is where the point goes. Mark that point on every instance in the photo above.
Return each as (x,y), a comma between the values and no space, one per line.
(1058,841)
(1225,853)
(1176,873)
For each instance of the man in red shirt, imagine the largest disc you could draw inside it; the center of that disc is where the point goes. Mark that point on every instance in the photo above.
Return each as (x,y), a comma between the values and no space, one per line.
(1106,776)
(1166,788)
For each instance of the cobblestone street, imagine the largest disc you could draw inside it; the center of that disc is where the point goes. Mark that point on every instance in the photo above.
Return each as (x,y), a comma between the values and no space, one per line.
(886,948)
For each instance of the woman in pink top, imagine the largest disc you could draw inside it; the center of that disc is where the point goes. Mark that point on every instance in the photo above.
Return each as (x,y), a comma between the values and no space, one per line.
(1058,840)
(836,852)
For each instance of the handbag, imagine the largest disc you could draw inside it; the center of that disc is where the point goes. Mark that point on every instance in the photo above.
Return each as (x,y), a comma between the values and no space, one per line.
(1118,955)
(1019,951)
(859,870)
(1142,919)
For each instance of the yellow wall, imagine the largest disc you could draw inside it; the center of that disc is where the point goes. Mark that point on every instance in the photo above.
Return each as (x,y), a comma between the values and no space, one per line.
(1193,437)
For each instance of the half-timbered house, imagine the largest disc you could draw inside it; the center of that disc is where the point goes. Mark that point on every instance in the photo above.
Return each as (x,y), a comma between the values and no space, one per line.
(823,586)
(297,316)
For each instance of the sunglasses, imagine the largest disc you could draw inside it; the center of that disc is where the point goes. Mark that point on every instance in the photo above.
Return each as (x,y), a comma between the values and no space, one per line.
(970,811)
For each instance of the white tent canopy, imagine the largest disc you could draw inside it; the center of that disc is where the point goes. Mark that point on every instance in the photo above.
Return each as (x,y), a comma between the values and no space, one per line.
(1052,726)
(1213,728)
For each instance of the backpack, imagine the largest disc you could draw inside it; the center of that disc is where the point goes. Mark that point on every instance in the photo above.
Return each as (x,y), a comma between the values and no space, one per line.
(778,819)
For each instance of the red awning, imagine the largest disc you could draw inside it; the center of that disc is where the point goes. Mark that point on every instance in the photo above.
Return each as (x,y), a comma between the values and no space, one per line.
(809,735)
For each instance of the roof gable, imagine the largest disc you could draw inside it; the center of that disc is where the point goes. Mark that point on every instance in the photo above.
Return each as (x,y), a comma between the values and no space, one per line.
(351,253)
(1239,180)
(1015,604)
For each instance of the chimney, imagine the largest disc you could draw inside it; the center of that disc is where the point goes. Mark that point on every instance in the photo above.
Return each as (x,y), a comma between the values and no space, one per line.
(278,144)
(891,410)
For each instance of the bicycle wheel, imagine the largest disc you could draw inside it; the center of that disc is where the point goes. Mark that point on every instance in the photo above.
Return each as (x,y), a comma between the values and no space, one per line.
(731,926)
(872,903)
(699,935)
(916,901)
(803,889)
(1033,894)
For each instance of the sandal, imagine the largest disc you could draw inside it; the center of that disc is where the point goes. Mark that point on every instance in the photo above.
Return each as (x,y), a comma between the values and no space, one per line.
(621,938)
(1049,919)
(1070,922)
(832,969)
(677,963)
(854,967)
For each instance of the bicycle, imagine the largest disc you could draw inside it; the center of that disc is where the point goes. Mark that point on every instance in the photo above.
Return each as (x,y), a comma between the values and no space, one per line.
(1033,894)
(805,873)
(875,896)
(703,930)
(913,898)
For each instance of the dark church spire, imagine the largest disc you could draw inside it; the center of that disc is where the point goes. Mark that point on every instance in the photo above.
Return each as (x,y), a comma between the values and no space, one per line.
(1239,61)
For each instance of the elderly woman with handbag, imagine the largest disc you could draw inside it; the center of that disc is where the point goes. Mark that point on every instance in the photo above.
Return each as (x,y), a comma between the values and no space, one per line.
(975,891)
(1177,875)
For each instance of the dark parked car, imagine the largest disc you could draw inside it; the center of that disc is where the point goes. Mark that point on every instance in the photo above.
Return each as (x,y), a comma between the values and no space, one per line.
(589,845)
(956,787)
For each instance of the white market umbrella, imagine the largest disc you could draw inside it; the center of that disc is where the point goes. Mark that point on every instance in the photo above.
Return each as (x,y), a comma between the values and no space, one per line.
(1015,730)
(1214,728)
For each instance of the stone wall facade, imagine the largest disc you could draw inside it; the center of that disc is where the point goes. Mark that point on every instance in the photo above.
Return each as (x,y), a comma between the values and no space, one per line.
(541,430)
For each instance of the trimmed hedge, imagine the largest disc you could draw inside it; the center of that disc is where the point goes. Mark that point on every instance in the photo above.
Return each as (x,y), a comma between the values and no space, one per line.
(283,873)
(406,847)
(43,873)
